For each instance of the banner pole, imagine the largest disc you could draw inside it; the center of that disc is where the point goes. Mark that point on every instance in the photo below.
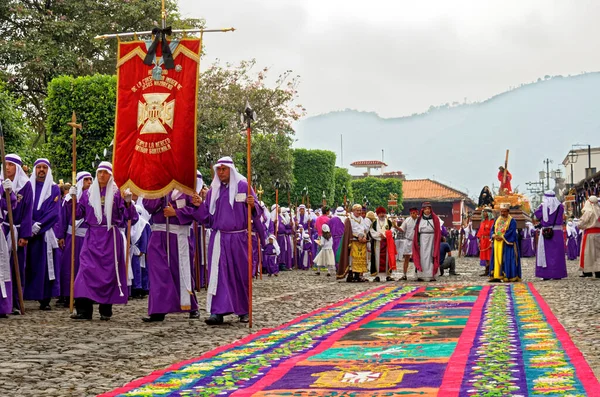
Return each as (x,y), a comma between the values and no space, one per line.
(75,126)
(13,238)
(249,116)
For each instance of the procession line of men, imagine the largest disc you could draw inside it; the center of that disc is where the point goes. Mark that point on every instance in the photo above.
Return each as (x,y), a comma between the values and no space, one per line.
(164,241)
(169,233)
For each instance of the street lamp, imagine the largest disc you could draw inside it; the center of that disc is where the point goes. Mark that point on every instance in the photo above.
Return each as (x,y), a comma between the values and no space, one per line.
(588,171)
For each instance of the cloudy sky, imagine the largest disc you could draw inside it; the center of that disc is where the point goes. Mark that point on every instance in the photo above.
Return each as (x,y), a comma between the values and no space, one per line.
(397,57)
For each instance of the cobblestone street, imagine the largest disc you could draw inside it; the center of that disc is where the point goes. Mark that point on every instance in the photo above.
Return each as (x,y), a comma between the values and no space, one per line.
(47,354)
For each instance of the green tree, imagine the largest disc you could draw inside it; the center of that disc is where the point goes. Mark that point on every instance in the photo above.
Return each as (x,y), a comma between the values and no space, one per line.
(342,179)
(45,39)
(315,170)
(222,97)
(271,160)
(93,99)
(18,133)
(377,191)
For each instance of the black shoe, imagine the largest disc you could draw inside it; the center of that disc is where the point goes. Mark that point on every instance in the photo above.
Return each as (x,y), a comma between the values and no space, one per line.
(328,275)
(420,280)
(16,312)
(494,280)
(403,278)
(76,316)
(154,318)
(194,314)
(214,319)
(433,280)
(317,273)
(104,318)
(377,279)
(455,274)
(441,272)
(586,274)
(389,278)
(244,318)
(45,308)
(3,316)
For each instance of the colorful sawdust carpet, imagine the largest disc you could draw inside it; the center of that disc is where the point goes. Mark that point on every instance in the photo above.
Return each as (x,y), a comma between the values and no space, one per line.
(500,340)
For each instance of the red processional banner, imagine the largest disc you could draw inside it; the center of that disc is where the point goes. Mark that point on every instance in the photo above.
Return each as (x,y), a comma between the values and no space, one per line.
(155,123)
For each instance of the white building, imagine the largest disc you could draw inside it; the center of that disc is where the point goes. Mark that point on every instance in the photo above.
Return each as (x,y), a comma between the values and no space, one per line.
(577,163)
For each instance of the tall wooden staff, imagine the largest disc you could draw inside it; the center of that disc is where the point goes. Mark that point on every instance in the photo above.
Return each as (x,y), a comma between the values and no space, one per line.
(294,228)
(73,124)
(276,207)
(197,256)
(249,115)
(259,193)
(13,238)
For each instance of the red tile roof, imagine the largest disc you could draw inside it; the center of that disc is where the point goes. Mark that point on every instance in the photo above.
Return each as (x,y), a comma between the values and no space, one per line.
(364,163)
(426,189)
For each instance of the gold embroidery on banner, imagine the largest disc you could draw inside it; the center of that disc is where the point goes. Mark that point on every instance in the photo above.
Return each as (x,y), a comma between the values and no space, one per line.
(154,113)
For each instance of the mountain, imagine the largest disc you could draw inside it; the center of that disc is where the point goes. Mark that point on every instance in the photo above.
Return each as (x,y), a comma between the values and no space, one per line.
(463,144)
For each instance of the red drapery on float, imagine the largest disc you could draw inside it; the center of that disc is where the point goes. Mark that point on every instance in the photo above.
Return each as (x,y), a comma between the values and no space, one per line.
(155,124)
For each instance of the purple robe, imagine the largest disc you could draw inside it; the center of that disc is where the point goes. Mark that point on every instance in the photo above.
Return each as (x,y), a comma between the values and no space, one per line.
(164,272)
(39,276)
(472,248)
(140,274)
(270,260)
(284,233)
(97,276)
(58,254)
(6,304)
(336,226)
(527,250)
(22,221)
(63,231)
(572,251)
(305,258)
(230,252)
(556,264)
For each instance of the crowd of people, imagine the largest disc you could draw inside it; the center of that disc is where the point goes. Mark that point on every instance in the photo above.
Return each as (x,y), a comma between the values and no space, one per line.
(129,247)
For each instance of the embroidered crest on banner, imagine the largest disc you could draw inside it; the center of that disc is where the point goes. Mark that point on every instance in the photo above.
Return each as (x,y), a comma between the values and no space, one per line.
(155,113)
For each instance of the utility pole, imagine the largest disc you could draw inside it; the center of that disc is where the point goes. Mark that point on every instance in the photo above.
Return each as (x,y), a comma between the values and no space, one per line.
(548,162)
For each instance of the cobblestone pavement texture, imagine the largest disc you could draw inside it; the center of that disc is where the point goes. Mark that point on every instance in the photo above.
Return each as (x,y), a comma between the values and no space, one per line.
(47,354)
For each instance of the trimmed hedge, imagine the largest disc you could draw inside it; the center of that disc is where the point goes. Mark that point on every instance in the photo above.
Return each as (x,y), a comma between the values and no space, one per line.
(314,169)
(377,191)
(93,99)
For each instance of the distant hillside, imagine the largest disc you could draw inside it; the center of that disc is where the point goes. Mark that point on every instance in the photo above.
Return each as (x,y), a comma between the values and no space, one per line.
(463,144)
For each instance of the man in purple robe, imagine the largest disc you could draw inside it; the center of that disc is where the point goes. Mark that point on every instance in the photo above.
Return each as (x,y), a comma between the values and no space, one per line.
(140,236)
(225,211)
(550,261)
(285,239)
(102,277)
(336,226)
(527,235)
(171,257)
(21,216)
(6,296)
(41,270)
(65,236)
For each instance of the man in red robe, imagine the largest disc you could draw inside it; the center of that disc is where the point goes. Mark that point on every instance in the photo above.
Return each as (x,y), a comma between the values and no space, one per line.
(505,186)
